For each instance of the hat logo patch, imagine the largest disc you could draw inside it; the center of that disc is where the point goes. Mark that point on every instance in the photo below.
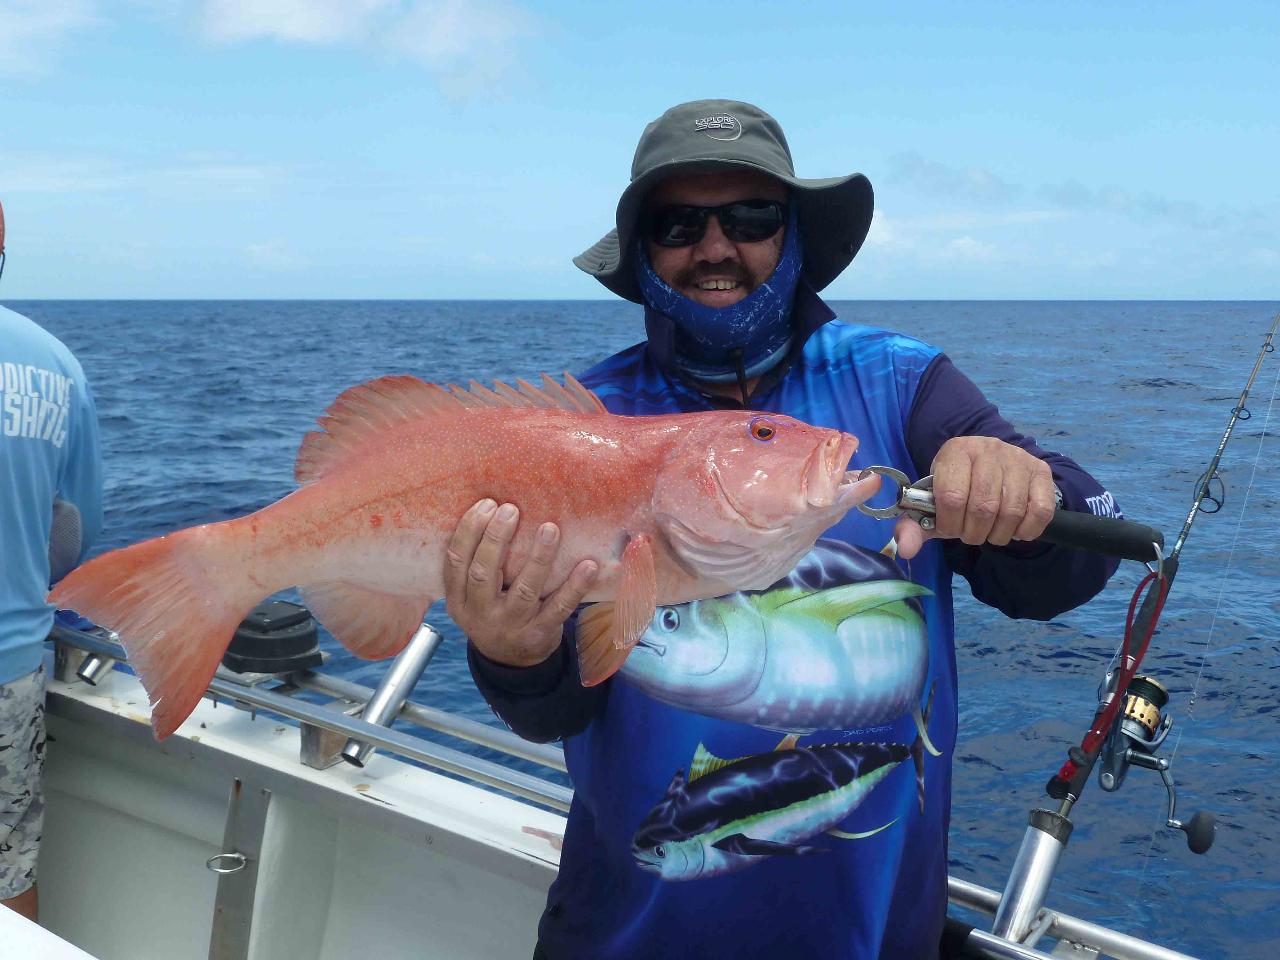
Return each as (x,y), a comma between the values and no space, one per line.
(723,127)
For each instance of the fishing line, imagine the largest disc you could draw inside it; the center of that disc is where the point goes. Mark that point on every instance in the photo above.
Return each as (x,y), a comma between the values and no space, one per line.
(1222,589)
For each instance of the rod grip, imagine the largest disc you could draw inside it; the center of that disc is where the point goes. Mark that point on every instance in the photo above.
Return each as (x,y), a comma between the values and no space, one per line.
(1109,535)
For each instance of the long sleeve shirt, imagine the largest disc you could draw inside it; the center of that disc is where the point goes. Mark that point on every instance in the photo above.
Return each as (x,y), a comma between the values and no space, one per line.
(828,842)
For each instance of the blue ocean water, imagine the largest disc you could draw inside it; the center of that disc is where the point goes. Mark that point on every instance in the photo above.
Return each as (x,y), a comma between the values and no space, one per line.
(203,404)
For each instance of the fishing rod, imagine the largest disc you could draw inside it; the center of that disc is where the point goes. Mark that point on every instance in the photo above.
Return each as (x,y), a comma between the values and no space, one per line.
(1130,722)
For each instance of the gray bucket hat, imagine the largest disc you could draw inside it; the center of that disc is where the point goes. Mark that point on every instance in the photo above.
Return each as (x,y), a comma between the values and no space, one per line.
(834,213)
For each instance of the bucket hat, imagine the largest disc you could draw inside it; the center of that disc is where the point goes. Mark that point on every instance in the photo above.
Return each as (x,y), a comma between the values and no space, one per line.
(703,135)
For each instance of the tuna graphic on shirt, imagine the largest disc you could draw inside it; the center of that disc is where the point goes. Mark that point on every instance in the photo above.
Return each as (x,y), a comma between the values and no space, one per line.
(730,815)
(793,658)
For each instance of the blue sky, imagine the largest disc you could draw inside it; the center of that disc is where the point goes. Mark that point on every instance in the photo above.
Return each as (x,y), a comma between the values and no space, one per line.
(420,149)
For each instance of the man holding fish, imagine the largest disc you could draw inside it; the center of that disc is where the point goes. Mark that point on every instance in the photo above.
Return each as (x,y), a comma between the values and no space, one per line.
(694,831)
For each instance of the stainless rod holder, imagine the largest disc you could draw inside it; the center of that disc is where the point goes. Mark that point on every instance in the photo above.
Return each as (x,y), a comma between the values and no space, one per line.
(394,689)
(94,667)
(1032,872)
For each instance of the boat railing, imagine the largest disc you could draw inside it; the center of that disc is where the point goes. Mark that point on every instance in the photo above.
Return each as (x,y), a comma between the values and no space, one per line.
(328,727)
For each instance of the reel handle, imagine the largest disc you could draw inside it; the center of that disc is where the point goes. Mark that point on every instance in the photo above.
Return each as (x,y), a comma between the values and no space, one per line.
(1200,831)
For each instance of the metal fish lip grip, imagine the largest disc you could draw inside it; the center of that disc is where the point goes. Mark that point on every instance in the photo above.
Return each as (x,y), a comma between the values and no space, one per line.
(1081,531)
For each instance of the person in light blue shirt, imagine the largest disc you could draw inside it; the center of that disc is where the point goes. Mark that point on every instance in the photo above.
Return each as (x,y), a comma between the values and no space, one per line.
(49,453)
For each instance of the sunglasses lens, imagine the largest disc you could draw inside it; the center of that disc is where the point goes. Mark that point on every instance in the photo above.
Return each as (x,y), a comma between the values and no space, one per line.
(678,226)
(747,221)
(752,220)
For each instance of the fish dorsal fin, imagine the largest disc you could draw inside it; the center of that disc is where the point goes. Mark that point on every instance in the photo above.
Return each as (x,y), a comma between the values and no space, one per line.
(840,603)
(363,410)
(386,402)
(704,762)
(550,395)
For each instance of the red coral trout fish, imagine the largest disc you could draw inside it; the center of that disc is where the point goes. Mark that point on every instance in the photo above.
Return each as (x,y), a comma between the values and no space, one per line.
(672,508)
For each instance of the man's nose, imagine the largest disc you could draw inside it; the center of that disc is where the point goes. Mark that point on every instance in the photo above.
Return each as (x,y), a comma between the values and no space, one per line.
(714,245)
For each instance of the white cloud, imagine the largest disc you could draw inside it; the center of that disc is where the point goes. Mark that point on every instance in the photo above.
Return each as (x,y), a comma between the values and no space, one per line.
(274,255)
(38,173)
(32,32)
(470,45)
(974,184)
(967,248)
(301,21)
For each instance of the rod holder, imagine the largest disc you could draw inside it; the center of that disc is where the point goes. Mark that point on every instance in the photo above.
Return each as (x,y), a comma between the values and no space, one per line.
(1042,846)
(94,667)
(394,690)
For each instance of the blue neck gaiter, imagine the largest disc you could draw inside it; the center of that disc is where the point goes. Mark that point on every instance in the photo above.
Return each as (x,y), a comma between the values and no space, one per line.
(708,338)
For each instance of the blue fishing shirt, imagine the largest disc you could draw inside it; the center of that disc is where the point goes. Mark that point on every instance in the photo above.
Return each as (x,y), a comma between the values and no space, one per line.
(774,816)
(48,449)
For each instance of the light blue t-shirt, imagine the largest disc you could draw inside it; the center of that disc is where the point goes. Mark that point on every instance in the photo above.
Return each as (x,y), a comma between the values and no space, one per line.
(48,449)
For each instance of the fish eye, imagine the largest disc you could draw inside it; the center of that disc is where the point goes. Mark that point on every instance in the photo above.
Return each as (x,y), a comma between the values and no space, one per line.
(660,851)
(669,619)
(763,429)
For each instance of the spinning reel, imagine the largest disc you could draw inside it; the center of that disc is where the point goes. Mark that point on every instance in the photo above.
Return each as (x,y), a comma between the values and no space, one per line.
(1137,734)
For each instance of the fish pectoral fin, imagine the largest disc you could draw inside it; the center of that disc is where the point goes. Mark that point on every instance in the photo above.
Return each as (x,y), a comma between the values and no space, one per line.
(371,623)
(637,593)
(598,658)
(743,845)
(607,631)
(842,835)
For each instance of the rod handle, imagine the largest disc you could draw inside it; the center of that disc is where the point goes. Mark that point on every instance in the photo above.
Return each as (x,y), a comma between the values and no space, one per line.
(1108,535)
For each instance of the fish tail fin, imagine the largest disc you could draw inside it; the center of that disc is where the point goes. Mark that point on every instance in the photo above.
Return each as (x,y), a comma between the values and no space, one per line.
(862,835)
(922,726)
(175,603)
(921,744)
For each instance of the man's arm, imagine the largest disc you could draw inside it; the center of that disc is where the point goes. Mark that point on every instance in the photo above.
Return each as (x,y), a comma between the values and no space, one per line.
(542,703)
(1024,579)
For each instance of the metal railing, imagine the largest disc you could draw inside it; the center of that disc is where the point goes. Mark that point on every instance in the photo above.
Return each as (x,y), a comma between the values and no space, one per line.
(252,691)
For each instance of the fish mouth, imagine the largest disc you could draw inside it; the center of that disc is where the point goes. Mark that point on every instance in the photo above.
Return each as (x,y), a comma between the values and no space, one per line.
(826,481)
(656,647)
(650,864)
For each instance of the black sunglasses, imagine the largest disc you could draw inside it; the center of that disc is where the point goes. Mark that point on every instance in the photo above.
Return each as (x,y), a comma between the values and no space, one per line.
(743,221)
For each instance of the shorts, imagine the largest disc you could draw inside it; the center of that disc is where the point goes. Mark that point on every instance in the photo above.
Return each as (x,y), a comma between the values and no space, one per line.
(21,776)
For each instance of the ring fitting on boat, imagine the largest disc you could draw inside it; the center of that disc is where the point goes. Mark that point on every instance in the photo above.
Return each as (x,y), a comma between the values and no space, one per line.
(227,862)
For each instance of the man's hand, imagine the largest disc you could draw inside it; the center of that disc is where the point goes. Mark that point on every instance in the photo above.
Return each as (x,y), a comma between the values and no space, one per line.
(515,625)
(985,491)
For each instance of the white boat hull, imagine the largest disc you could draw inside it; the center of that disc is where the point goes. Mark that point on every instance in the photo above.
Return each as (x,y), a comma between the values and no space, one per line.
(392,860)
